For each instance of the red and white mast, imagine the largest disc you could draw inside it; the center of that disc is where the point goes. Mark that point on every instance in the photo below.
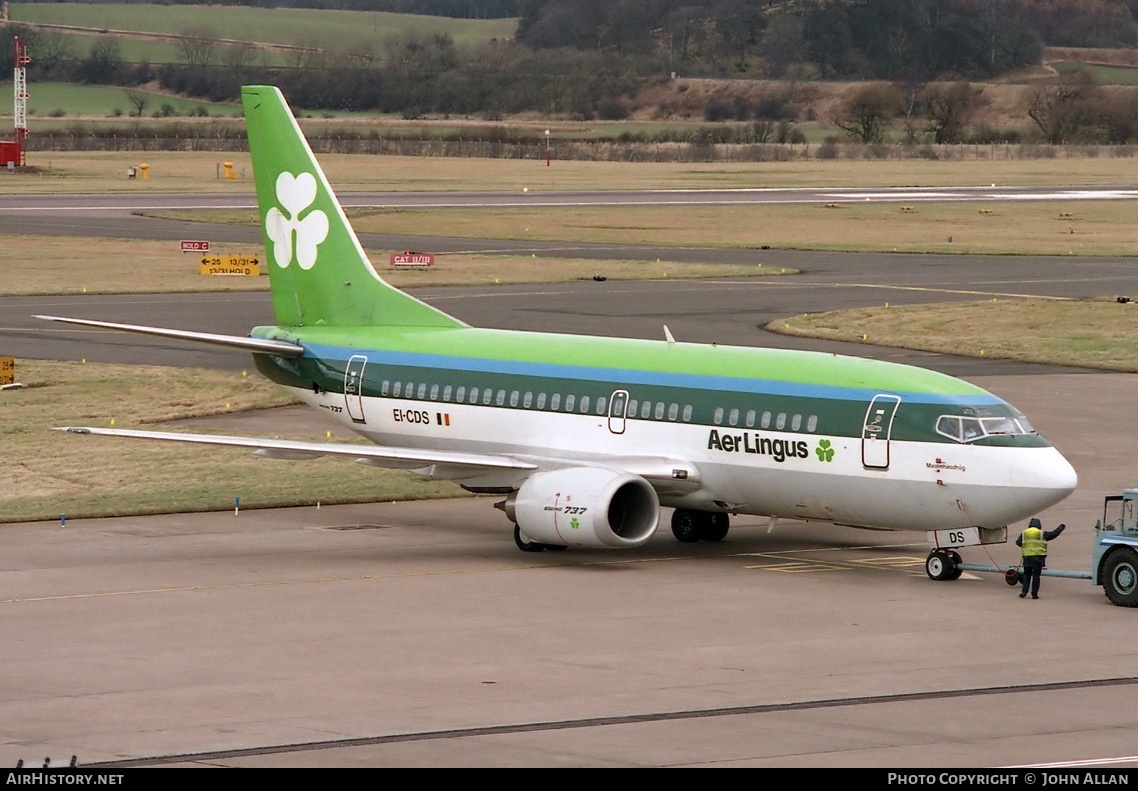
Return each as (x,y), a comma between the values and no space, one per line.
(21,112)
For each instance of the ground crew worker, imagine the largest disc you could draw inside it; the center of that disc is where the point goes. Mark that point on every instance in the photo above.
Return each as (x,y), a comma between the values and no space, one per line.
(1034,540)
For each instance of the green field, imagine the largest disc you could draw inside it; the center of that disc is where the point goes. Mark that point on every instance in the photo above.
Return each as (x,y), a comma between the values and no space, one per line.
(52,100)
(1103,74)
(356,32)
(1100,333)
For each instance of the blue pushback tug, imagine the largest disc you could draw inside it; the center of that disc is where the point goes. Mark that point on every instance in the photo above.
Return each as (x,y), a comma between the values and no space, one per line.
(1114,562)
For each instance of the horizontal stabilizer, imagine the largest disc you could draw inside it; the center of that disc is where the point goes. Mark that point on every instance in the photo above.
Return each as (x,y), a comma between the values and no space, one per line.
(379,456)
(255,345)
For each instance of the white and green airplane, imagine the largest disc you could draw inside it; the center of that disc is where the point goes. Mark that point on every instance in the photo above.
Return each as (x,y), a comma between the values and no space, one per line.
(588,437)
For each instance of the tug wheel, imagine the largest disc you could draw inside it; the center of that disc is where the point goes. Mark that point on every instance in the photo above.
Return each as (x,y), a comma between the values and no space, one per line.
(1120,577)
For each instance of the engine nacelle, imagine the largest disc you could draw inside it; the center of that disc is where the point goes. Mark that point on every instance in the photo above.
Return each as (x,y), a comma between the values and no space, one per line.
(586,507)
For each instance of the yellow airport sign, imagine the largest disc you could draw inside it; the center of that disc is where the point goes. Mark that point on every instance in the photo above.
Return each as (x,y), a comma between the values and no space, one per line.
(231,265)
(7,370)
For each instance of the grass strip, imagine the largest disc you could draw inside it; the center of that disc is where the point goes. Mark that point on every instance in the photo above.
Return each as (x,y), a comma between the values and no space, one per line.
(1096,333)
(47,473)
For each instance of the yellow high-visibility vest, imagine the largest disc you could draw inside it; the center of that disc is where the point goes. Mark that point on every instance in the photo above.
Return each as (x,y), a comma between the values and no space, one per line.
(1033,542)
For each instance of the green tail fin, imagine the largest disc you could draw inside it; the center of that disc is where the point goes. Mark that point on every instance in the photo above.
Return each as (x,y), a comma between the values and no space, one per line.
(318,271)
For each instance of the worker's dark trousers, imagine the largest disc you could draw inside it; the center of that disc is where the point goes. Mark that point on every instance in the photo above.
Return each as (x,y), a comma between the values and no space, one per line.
(1031,574)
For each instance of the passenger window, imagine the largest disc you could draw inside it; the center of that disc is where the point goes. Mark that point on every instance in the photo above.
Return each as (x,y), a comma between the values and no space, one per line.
(555,401)
(396,390)
(780,422)
(687,413)
(717,418)
(733,417)
(384,388)
(750,419)
(527,400)
(487,395)
(570,401)
(423,391)
(812,423)
(541,400)
(602,402)
(474,395)
(796,423)
(645,409)
(447,391)
(409,390)
(632,404)
(618,405)
(584,404)
(673,411)
(766,423)
(659,413)
(500,400)
(513,398)
(434,393)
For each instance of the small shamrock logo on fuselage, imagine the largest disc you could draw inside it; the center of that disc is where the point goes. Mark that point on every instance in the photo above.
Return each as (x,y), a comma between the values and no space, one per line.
(824,451)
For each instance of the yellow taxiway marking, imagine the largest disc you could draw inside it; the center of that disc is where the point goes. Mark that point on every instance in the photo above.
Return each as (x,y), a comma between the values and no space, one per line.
(792,565)
(892,563)
(801,567)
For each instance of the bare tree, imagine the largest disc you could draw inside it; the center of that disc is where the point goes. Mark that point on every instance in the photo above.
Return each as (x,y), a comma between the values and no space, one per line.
(52,48)
(868,112)
(1061,110)
(198,47)
(1116,116)
(950,107)
(783,44)
(912,97)
(138,100)
(103,61)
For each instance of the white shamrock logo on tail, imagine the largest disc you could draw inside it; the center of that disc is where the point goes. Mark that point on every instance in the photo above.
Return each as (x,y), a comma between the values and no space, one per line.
(295,194)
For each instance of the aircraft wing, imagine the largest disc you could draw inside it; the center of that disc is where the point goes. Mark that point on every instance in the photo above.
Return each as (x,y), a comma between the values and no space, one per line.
(461,464)
(669,476)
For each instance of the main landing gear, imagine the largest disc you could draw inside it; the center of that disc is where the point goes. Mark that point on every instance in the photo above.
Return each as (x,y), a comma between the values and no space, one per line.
(691,526)
(943,565)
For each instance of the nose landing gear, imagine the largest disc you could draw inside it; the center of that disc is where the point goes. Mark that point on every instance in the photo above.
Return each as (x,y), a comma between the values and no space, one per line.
(943,565)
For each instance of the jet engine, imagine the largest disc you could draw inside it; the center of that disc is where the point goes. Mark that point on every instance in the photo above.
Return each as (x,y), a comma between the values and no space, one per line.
(585,507)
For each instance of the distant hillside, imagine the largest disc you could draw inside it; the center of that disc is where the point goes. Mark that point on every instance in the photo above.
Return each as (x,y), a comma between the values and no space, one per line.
(458,9)
(832,39)
(358,33)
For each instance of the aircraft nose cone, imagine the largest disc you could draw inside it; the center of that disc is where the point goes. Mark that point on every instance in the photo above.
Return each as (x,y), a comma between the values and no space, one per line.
(1052,480)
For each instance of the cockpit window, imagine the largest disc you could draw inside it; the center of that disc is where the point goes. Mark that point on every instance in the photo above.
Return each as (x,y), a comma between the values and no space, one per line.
(966,429)
(1001,425)
(949,427)
(973,428)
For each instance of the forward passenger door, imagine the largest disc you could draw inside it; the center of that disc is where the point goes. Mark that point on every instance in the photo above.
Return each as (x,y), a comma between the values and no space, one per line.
(876,429)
